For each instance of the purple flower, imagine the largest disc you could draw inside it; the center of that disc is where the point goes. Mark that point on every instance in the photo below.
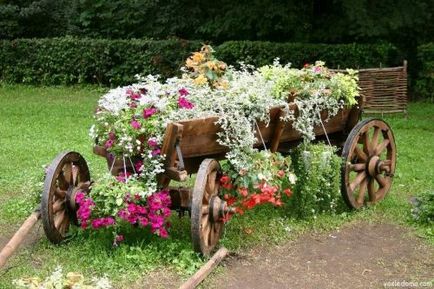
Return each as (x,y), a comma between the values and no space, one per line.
(148,112)
(183,92)
(152,142)
(135,124)
(135,96)
(184,103)
(109,143)
(138,166)
(155,152)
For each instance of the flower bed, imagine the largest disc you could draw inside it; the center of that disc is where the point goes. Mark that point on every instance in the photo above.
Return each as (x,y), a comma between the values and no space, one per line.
(130,123)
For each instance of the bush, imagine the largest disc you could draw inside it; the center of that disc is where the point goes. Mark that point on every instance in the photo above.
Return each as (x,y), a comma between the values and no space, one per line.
(317,189)
(424,87)
(423,210)
(71,60)
(261,53)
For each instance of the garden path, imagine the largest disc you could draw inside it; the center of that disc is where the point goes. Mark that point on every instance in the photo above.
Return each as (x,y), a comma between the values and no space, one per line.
(357,256)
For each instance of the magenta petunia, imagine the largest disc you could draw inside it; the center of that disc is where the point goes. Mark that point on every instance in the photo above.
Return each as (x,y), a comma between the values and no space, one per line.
(109,143)
(184,103)
(148,112)
(183,92)
(156,152)
(152,142)
(135,124)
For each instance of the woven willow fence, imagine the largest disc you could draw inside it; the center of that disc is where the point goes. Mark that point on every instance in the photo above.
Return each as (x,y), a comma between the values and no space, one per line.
(384,89)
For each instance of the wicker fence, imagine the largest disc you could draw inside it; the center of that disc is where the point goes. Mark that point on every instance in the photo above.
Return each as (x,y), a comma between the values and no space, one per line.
(384,89)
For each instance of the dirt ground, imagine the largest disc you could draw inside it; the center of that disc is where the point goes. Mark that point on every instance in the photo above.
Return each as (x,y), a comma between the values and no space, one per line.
(357,256)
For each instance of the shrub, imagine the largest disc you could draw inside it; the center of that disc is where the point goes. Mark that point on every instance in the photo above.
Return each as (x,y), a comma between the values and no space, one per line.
(423,210)
(260,53)
(71,60)
(317,189)
(424,87)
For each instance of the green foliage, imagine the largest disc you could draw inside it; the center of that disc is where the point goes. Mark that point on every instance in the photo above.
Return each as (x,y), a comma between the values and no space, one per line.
(425,80)
(423,211)
(259,53)
(317,189)
(71,60)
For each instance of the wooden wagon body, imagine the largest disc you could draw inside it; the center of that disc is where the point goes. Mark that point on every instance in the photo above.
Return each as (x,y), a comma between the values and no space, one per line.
(191,146)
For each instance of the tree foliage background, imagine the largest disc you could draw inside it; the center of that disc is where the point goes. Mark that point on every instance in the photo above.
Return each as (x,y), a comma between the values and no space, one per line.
(327,21)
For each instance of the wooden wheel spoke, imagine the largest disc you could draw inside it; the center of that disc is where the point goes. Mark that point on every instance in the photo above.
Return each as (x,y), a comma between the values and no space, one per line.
(362,191)
(361,155)
(371,190)
(59,218)
(359,178)
(67,173)
(205,210)
(357,167)
(58,206)
(74,172)
(367,144)
(381,180)
(60,194)
(380,148)
(63,183)
(375,137)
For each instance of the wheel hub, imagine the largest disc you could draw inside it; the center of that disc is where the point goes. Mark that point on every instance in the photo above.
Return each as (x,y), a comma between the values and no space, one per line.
(218,209)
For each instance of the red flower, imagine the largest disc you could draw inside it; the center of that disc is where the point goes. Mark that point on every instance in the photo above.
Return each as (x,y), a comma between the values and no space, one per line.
(288,192)
(243,191)
(280,173)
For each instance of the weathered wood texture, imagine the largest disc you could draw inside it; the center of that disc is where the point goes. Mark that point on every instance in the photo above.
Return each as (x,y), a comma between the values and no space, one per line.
(18,238)
(204,271)
(199,137)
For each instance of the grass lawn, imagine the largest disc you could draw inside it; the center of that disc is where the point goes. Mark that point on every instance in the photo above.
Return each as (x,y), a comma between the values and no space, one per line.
(38,123)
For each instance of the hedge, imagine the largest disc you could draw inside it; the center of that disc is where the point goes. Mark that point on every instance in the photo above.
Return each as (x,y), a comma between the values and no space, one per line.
(71,60)
(424,87)
(335,55)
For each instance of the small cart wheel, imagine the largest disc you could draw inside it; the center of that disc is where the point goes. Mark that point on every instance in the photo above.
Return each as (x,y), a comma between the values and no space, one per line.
(66,175)
(369,159)
(207,209)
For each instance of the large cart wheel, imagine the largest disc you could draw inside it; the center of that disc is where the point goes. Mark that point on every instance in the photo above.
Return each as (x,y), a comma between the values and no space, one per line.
(207,209)
(66,175)
(369,163)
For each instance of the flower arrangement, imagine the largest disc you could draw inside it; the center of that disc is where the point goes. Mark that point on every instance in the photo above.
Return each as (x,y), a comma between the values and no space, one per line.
(130,123)
(269,179)
(57,280)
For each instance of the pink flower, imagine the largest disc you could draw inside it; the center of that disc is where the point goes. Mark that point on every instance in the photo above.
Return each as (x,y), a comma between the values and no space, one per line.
(148,112)
(183,92)
(155,152)
(103,222)
(138,166)
(135,124)
(184,103)
(152,142)
(112,135)
(316,69)
(122,177)
(143,90)
(119,238)
(109,143)
(135,96)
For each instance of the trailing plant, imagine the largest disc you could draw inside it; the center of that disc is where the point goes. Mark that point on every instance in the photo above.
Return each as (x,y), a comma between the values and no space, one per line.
(130,123)
(317,189)
(268,180)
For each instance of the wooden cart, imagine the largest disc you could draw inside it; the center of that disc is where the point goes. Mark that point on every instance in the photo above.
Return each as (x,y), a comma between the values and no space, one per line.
(367,147)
